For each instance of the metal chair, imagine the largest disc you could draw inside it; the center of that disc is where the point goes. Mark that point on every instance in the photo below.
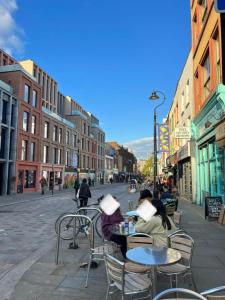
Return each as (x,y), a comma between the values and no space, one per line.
(184,244)
(138,240)
(170,209)
(177,218)
(188,294)
(128,283)
(215,293)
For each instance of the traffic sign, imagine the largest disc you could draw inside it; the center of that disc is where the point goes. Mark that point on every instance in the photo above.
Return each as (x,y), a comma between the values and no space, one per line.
(220,6)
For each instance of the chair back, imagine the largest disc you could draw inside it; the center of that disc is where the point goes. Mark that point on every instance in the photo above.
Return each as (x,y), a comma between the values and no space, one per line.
(139,240)
(188,294)
(184,244)
(177,218)
(170,209)
(217,293)
(115,270)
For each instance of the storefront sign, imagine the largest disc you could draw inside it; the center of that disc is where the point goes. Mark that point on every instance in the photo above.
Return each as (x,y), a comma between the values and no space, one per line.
(184,152)
(163,138)
(213,206)
(220,131)
(182,133)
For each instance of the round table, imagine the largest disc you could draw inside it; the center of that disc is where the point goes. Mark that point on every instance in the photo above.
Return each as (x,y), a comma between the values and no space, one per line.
(153,256)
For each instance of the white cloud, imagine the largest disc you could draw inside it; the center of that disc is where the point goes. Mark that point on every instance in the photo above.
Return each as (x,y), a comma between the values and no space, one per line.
(10,33)
(141,148)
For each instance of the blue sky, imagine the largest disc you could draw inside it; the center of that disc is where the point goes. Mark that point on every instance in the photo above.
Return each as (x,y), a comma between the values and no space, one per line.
(107,54)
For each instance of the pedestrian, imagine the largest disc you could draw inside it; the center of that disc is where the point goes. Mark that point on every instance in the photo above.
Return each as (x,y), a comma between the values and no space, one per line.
(43,183)
(111,180)
(76,186)
(89,181)
(84,193)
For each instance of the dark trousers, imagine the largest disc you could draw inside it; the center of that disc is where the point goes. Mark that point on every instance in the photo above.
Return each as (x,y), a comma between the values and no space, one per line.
(83,202)
(121,241)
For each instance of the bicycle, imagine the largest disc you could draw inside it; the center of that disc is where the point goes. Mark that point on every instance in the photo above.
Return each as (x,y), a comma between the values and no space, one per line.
(69,229)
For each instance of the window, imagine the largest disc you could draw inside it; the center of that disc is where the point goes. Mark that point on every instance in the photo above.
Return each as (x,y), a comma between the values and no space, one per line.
(34,98)
(33,124)
(88,146)
(26,93)
(60,135)
(88,130)
(84,128)
(55,155)
(4,111)
(35,72)
(203,9)
(187,88)
(24,150)
(182,102)
(32,151)
(206,75)
(74,140)
(59,156)
(25,120)
(55,133)
(45,154)
(46,130)
(2,143)
(217,56)
(29,179)
(67,137)
(67,157)
(82,145)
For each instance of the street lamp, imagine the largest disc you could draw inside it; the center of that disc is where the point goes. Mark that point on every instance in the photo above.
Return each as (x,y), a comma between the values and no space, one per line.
(154,96)
(78,157)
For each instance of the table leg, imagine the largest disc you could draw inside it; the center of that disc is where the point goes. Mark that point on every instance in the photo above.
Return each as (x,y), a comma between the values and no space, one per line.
(153,274)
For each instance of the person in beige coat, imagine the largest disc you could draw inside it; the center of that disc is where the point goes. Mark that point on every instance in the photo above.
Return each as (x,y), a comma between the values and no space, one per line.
(159,226)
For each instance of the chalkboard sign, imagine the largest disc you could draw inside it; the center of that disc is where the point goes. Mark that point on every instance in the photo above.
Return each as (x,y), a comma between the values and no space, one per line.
(213,206)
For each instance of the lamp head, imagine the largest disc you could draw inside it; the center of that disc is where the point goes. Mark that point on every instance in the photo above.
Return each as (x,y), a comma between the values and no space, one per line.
(154,96)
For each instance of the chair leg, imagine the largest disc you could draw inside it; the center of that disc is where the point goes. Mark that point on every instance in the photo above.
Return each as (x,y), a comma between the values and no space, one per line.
(107,293)
(176,281)
(88,270)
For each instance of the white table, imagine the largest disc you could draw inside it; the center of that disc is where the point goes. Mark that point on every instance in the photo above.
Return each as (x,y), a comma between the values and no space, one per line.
(153,257)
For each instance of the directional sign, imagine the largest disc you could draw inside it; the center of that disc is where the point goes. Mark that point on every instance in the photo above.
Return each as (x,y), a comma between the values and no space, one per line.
(220,6)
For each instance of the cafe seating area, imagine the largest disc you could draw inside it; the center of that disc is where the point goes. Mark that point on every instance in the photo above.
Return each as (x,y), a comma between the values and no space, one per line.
(146,265)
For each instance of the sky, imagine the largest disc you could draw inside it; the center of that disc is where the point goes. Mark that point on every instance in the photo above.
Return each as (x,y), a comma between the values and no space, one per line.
(109,55)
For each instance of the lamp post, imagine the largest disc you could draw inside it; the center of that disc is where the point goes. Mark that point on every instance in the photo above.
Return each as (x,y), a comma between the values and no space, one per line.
(78,158)
(154,96)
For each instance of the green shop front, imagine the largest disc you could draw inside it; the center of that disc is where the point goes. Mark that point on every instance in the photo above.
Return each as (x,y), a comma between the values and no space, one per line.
(209,155)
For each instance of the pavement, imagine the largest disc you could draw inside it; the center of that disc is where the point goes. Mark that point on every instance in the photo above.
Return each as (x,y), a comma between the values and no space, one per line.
(45,280)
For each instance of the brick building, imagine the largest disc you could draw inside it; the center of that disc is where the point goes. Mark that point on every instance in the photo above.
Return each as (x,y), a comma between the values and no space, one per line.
(28,92)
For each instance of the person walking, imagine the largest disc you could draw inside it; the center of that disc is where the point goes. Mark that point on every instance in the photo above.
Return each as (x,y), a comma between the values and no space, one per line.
(43,183)
(76,186)
(84,193)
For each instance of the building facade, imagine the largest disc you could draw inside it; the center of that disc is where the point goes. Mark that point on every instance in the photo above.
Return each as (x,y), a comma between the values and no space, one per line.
(8,138)
(208,36)
(28,93)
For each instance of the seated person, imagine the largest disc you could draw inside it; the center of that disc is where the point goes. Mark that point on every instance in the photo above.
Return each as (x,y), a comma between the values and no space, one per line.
(159,226)
(166,194)
(108,222)
(145,195)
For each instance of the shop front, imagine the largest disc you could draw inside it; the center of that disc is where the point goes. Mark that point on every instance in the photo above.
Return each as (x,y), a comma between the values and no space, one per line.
(27,177)
(208,154)
(184,178)
(54,175)
(220,140)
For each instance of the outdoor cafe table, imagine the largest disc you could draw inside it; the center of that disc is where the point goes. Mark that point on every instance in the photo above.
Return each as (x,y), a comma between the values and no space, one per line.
(153,256)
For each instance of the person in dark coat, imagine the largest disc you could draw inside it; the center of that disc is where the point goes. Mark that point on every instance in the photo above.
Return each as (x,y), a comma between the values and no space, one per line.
(76,186)
(84,193)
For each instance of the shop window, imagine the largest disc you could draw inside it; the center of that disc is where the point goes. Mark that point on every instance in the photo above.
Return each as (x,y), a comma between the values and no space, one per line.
(45,154)
(29,179)
(46,130)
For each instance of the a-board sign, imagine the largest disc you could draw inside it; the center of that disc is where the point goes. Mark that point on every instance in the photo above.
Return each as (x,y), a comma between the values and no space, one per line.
(213,206)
